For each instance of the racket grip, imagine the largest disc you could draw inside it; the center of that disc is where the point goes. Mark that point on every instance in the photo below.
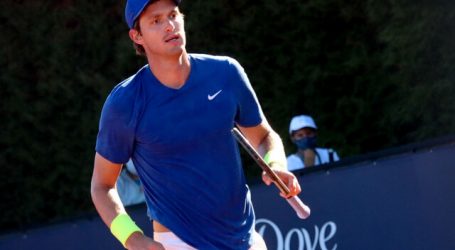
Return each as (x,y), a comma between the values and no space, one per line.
(302,210)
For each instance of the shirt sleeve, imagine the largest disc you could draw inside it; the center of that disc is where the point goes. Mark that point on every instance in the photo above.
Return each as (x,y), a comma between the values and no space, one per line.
(116,127)
(249,112)
(335,156)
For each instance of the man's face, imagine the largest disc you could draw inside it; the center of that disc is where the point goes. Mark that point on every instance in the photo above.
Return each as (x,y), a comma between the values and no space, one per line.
(161,29)
(302,133)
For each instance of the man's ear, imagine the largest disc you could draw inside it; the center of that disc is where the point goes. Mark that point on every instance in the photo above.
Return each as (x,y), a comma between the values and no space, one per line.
(135,36)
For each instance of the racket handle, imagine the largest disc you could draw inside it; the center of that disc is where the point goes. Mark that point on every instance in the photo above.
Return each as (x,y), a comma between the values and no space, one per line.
(302,210)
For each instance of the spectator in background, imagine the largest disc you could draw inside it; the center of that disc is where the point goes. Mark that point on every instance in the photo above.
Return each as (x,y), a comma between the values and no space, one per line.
(129,186)
(303,132)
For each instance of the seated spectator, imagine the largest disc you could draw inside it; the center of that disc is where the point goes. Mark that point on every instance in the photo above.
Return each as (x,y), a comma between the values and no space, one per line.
(303,132)
(129,186)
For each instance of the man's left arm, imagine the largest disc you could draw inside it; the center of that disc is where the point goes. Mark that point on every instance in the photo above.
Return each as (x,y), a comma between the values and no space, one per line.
(270,146)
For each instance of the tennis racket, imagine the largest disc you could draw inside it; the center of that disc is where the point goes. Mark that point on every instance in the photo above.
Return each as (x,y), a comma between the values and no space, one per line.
(302,210)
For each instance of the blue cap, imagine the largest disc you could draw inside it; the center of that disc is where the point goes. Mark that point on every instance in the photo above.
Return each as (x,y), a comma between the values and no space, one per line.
(134,9)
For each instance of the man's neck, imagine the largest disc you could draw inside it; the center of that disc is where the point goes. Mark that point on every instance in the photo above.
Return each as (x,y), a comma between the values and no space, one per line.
(171,71)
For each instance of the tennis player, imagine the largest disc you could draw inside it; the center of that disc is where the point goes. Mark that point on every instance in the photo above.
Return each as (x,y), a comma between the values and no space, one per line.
(173,118)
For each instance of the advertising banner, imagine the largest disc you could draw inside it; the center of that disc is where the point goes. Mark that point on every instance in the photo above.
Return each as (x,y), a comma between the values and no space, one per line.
(397,202)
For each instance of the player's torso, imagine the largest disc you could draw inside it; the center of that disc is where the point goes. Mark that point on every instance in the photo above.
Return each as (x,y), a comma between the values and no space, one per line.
(177,118)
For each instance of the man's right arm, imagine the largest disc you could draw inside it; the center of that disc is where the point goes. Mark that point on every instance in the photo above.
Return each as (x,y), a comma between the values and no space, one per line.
(103,190)
(107,201)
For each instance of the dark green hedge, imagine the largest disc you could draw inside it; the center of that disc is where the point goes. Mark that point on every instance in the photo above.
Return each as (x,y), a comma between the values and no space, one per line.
(373,73)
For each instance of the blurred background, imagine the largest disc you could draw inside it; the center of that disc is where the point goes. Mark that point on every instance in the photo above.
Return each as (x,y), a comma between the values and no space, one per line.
(374,74)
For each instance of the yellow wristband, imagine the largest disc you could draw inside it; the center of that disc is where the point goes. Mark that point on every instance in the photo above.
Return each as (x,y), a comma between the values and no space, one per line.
(123,227)
(267,157)
(270,157)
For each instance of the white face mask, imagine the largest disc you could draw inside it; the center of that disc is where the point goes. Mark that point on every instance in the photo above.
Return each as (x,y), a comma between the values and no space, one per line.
(130,167)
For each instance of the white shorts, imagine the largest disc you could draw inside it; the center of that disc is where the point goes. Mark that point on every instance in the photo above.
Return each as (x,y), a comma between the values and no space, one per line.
(170,241)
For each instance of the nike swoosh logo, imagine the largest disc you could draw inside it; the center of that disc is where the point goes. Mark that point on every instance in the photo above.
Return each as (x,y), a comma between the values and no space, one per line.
(211,97)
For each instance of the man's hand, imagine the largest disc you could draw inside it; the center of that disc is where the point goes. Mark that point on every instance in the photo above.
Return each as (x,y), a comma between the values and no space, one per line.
(289,180)
(138,241)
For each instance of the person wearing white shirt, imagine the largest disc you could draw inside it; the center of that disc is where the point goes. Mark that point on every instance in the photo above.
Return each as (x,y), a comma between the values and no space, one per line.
(303,133)
(129,186)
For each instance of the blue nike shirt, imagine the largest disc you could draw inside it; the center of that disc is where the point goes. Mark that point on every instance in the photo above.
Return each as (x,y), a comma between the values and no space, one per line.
(181,144)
